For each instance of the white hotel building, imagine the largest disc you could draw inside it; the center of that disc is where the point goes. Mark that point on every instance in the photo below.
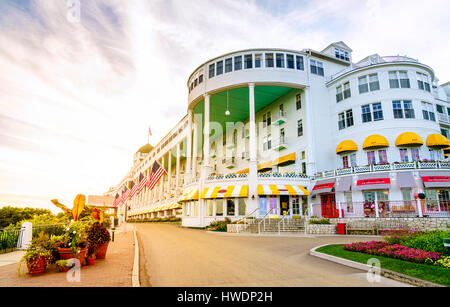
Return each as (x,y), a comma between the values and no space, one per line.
(273,132)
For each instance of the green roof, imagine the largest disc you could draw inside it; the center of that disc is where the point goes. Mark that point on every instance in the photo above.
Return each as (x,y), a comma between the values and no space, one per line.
(145,149)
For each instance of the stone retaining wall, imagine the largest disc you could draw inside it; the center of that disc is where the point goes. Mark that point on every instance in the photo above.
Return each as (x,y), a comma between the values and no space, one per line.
(418,223)
(321,229)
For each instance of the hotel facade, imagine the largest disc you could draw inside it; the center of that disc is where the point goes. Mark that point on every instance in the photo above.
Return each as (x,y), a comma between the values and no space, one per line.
(275,132)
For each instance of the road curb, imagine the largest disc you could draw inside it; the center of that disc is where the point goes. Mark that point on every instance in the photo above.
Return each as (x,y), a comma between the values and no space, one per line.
(135,274)
(364,267)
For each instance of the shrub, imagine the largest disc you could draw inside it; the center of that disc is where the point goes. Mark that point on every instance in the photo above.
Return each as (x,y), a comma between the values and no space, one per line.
(444,262)
(399,236)
(323,221)
(430,241)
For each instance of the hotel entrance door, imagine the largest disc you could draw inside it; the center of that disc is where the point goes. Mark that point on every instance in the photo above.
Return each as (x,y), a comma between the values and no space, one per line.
(328,204)
(284,204)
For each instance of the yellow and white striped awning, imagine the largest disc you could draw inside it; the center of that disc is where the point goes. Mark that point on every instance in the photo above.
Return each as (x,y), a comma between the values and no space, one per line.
(175,205)
(190,195)
(225,192)
(281,189)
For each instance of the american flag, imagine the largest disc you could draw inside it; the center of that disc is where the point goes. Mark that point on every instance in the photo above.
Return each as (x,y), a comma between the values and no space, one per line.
(116,200)
(125,194)
(142,183)
(155,175)
(132,190)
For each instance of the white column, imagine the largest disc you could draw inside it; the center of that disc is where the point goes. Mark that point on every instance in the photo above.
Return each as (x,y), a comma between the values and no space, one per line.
(177,176)
(253,165)
(169,173)
(188,173)
(308,131)
(161,187)
(206,167)
(194,153)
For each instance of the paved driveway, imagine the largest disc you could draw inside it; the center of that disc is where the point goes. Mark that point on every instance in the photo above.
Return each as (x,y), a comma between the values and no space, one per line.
(175,256)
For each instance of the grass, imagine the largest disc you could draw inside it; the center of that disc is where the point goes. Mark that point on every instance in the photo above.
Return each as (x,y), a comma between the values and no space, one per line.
(431,273)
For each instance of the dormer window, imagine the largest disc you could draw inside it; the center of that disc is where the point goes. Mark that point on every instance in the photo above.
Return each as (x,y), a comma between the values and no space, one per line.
(342,54)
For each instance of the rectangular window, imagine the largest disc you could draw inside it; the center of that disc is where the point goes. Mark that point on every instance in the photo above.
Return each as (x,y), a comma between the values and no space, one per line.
(382,156)
(409,110)
(248,61)
(269,59)
(398,110)
(339,95)
(428,111)
(280,60)
(290,61)
(423,82)
(258,58)
(363,85)
(228,65)
(377,111)
(230,207)
(219,68)
(209,207)
(341,121)
(298,101)
(237,63)
(242,206)
(345,162)
(219,207)
(371,158)
(299,127)
(317,67)
(415,154)
(347,92)
(295,205)
(374,84)
(349,118)
(404,155)
(299,62)
(404,80)
(366,114)
(200,79)
(212,68)
(393,80)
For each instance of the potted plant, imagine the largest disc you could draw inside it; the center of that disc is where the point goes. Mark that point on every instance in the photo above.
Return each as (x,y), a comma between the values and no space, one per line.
(37,259)
(98,238)
(74,242)
(62,265)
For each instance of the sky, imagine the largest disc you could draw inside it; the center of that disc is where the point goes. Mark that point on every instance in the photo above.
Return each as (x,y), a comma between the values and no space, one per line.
(81,81)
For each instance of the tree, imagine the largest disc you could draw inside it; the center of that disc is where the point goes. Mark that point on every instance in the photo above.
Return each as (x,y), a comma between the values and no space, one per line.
(13,215)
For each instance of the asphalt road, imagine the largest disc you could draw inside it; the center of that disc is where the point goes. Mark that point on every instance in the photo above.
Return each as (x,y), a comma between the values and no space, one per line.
(171,256)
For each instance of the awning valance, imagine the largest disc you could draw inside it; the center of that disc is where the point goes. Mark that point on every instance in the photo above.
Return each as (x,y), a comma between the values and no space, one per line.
(409,139)
(285,160)
(375,141)
(225,192)
(435,179)
(380,181)
(437,141)
(265,166)
(323,186)
(190,195)
(282,189)
(244,171)
(346,146)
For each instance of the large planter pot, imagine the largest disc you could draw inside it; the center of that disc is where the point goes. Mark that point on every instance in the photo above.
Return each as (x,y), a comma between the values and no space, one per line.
(90,261)
(101,251)
(37,265)
(66,254)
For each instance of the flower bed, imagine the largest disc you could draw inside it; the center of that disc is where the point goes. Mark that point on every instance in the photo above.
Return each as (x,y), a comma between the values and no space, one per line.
(406,253)
(363,247)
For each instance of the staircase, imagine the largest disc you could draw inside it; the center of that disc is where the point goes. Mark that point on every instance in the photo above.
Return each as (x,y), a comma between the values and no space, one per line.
(271,226)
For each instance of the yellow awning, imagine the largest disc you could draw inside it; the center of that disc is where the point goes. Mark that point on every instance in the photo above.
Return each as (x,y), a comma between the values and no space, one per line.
(225,192)
(409,139)
(375,141)
(437,140)
(265,165)
(285,160)
(244,171)
(282,189)
(190,195)
(346,146)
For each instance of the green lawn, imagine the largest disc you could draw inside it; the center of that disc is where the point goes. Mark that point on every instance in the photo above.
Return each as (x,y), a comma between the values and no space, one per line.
(435,274)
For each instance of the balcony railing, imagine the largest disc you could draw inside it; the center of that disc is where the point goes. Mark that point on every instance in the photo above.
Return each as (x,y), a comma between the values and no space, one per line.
(383,167)
(386,209)
(280,119)
(280,144)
